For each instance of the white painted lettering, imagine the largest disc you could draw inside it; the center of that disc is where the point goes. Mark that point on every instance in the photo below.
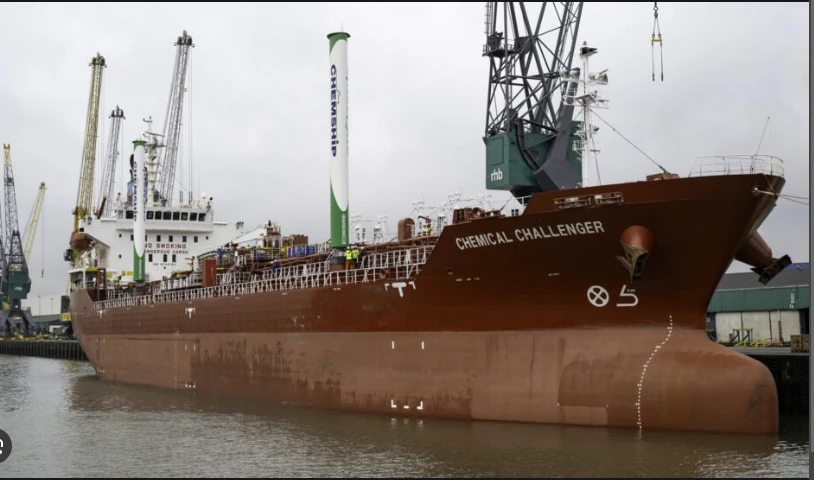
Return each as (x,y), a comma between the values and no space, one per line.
(524,234)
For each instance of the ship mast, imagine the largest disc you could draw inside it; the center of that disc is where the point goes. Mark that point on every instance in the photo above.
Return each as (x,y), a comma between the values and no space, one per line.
(586,145)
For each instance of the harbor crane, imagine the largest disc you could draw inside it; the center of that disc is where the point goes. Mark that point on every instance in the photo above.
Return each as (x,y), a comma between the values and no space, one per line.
(532,143)
(84,195)
(109,168)
(31,225)
(529,122)
(16,283)
(163,191)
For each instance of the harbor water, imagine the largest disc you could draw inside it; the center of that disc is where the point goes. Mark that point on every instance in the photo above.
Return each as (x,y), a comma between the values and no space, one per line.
(65,422)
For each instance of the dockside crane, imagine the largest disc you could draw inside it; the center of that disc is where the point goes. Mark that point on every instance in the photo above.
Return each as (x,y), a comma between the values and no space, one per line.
(109,168)
(84,196)
(529,128)
(17,283)
(31,225)
(163,187)
(532,143)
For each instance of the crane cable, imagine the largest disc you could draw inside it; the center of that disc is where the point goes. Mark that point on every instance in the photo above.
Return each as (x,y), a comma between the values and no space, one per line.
(654,40)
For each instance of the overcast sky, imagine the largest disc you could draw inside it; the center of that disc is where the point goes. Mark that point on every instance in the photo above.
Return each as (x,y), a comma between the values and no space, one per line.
(260,90)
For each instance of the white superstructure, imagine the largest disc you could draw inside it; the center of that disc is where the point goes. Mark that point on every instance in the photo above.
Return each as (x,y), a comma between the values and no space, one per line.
(175,232)
(174,237)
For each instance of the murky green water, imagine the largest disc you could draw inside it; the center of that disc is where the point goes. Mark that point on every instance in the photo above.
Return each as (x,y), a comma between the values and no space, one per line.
(64,422)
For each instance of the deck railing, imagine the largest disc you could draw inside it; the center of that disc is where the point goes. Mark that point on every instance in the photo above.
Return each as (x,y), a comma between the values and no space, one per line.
(375,267)
(737,165)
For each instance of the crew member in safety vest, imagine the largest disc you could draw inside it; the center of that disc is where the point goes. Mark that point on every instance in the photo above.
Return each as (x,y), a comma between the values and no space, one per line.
(348,258)
(355,256)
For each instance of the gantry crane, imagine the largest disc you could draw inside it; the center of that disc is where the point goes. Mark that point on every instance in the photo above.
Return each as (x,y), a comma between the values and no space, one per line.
(109,168)
(31,225)
(84,196)
(16,281)
(172,126)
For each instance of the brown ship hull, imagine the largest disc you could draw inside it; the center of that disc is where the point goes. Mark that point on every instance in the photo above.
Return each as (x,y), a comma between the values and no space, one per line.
(499,325)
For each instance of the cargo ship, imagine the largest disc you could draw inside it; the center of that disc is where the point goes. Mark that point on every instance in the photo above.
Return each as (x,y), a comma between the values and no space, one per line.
(585,305)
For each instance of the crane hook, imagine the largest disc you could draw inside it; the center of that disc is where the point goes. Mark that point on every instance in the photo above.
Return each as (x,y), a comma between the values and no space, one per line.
(654,40)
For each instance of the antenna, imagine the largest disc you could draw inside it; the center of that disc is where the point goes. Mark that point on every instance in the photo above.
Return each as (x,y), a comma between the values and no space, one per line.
(763,134)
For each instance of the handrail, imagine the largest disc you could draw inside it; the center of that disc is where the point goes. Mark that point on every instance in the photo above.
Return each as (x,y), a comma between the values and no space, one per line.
(393,265)
(737,165)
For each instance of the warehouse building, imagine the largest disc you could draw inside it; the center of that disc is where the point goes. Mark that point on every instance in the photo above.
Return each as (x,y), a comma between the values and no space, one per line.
(743,308)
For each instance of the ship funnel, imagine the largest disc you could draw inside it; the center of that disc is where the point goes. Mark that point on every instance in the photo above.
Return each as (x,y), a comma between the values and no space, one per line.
(338,55)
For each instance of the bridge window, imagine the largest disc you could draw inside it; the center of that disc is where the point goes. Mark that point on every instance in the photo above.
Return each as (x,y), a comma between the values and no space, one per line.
(149,214)
(128,214)
(202,217)
(183,215)
(176,215)
(167,215)
(193,217)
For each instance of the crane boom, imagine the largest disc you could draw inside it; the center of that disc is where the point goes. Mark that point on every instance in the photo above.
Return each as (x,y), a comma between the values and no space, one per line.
(109,168)
(84,195)
(33,221)
(172,120)
(12,223)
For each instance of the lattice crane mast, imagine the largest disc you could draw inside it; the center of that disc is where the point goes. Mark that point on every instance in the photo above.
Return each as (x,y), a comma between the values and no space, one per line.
(172,123)
(33,222)
(18,283)
(84,195)
(109,168)
(528,122)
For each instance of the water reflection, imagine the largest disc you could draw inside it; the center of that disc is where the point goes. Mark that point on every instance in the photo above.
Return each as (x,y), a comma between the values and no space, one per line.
(99,428)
